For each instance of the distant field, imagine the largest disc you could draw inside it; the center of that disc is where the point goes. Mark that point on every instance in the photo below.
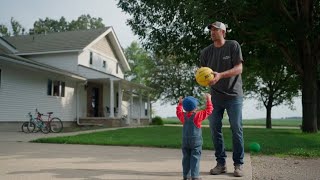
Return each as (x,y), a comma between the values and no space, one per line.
(248,122)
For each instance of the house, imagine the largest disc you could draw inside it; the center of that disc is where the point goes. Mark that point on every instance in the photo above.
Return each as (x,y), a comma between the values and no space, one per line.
(78,75)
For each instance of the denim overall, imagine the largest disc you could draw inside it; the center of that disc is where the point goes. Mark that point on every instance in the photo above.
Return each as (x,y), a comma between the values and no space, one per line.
(191,147)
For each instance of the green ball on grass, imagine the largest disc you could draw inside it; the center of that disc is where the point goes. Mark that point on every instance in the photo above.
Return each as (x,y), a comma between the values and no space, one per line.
(255,147)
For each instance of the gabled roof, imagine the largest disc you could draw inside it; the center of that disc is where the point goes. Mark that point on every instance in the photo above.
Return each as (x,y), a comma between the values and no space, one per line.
(6,47)
(69,41)
(57,41)
(29,63)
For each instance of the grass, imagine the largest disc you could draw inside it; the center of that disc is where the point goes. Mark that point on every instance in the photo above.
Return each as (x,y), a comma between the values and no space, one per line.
(278,142)
(248,122)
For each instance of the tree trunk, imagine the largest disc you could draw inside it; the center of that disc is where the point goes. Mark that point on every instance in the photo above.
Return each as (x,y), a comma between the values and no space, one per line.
(309,96)
(318,104)
(268,119)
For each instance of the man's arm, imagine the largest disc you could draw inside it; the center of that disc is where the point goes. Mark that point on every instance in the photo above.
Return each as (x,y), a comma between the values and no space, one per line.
(237,69)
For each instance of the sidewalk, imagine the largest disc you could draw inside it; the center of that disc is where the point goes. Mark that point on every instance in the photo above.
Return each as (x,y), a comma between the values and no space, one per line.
(22,160)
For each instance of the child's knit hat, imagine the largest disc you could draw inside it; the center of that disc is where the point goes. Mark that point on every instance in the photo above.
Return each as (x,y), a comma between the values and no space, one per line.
(190,103)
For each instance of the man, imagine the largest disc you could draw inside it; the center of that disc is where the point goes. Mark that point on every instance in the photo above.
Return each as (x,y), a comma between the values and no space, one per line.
(224,57)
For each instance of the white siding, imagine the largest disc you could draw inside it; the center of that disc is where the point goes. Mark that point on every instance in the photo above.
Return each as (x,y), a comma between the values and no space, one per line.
(103,46)
(92,74)
(98,58)
(65,61)
(25,89)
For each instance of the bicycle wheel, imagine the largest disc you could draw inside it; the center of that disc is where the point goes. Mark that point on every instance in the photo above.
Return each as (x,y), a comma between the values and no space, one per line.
(27,127)
(56,125)
(45,128)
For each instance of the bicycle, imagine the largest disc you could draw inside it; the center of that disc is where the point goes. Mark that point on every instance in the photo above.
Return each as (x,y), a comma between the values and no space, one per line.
(54,124)
(34,126)
(28,126)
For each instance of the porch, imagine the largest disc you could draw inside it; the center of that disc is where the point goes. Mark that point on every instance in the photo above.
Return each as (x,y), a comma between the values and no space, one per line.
(113,102)
(112,122)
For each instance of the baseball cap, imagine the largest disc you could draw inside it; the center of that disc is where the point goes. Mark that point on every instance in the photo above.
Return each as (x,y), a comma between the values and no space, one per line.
(218,25)
(189,103)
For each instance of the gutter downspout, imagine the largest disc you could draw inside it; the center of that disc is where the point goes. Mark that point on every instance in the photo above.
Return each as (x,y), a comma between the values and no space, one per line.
(78,102)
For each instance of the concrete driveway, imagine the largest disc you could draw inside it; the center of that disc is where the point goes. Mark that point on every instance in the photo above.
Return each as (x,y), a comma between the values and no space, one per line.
(20,159)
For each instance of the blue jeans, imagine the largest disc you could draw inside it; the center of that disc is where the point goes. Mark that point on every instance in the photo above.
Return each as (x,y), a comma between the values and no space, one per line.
(191,150)
(234,110)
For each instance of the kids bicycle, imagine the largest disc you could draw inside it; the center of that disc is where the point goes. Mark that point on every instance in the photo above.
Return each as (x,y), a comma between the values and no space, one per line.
(33,125)
(53,124)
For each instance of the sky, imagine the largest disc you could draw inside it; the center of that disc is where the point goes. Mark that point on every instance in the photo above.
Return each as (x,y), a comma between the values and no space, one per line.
(27,12)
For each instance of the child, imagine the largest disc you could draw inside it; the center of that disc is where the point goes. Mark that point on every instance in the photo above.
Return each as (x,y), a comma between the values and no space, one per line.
(192,134)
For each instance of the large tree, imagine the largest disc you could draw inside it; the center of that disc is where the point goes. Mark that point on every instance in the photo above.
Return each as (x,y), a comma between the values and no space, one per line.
(294,28)
(177,28)
(270,80)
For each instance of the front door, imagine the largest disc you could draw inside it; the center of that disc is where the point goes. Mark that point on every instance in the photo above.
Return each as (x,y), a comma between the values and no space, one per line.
(94,99)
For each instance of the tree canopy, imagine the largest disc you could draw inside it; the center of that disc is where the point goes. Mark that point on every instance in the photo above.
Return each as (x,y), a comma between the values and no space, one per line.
(177,29)
(48,25)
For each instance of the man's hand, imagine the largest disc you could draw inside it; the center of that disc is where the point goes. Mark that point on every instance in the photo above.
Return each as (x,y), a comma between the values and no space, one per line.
(217,77)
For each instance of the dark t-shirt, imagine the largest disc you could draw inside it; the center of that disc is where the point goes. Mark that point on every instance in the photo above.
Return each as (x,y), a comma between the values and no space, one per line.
(221,59)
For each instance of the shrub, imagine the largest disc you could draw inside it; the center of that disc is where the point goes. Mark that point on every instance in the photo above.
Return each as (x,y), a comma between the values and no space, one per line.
(157,121)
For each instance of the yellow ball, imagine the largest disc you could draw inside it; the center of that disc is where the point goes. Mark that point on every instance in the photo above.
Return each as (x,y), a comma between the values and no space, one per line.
(204,75)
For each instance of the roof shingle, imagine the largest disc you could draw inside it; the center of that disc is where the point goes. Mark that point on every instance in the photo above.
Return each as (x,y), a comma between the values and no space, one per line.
(61,41)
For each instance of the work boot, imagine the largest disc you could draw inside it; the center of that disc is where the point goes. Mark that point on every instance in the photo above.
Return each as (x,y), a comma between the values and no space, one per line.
(238,172)
(219,169)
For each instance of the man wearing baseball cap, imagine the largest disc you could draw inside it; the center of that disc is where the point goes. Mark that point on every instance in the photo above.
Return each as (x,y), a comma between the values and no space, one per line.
(224,57)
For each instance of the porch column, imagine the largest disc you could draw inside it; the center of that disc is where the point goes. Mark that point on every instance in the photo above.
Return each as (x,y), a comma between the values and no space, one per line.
(120,100)
(149,109)
(130,107)
(140,108)
(111,99)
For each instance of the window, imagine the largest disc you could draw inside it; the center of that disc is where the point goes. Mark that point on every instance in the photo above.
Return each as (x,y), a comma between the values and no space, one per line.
(104,64)
(56,88)
(117,69)
(63,85)
(49,89)
(146,109)
(117,99)
(0,77)
(91,58)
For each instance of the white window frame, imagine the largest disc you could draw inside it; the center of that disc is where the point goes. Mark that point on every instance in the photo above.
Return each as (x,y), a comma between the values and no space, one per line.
(91,58)
(104,63)
(60,89)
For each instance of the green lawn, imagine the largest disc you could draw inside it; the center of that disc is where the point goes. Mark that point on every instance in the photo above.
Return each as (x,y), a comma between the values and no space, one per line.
(248,122)
(279,142)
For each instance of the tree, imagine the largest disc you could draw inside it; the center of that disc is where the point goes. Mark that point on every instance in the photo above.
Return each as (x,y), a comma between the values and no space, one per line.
(177,28)
(4,31)
(85,22)
(140,62)
(82,23)
(16,28)
(49,25)
(159,72)
(293,26)
(270,80)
